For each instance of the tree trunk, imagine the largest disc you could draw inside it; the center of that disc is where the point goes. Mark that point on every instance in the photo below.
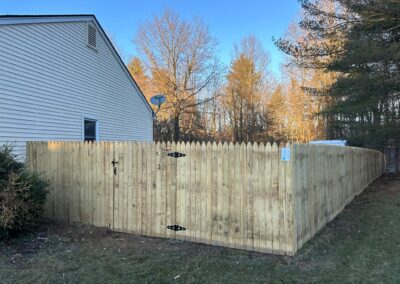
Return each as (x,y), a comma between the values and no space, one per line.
(397,157)
(176,128)
(330,131)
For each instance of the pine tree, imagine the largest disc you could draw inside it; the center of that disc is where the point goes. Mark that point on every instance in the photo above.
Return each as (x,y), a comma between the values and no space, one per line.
(367,108)
(362,47)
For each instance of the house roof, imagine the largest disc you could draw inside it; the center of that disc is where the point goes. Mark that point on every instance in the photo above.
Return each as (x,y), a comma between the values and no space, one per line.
(46,16)
(32,19)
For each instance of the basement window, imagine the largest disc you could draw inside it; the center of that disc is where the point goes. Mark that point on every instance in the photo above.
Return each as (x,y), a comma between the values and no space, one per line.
(91,36)
(90,130)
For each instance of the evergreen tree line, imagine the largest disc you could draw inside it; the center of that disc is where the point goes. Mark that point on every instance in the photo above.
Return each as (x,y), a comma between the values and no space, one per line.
(359,42)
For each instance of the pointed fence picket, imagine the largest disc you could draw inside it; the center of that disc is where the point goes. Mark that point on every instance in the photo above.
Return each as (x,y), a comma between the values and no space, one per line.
(242,196)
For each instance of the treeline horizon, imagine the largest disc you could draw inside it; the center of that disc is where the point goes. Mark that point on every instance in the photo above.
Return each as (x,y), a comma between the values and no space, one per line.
(339,80)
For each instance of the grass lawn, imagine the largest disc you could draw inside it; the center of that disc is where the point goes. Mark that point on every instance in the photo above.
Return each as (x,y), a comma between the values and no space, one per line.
(362,245)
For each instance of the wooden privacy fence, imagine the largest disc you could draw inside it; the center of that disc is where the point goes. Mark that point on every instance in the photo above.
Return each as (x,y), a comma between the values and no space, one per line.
(255,197)
(327,178)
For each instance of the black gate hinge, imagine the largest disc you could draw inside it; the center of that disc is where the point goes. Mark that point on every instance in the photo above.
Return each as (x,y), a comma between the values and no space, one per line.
(176,155)
(176,228)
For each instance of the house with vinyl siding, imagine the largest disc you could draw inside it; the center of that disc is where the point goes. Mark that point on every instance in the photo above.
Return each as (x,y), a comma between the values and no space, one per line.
(61,79)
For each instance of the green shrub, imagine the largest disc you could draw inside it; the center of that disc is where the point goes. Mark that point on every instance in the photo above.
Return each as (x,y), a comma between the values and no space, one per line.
(22,195)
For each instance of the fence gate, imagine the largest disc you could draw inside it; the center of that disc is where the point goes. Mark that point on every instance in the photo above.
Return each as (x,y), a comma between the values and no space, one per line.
(144,188)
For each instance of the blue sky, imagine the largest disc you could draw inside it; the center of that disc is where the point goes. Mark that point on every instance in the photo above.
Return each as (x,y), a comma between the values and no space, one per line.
(228,20)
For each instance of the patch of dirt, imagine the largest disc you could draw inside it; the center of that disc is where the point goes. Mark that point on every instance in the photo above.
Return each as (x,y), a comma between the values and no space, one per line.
(377,191)
(101,237)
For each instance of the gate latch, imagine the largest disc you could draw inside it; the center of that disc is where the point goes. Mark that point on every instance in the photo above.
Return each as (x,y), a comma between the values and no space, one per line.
(114,162)
(176,154)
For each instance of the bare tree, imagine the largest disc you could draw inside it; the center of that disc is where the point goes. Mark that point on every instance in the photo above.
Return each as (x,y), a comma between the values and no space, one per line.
(181,58)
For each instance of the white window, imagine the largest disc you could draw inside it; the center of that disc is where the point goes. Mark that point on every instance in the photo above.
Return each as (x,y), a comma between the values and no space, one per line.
(91,35)
(90,130)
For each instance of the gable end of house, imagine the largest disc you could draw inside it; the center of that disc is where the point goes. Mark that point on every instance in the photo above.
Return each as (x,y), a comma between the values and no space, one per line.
(91,20)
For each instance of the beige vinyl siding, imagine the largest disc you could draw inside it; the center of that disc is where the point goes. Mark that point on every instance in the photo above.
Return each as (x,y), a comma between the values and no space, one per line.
(50,79)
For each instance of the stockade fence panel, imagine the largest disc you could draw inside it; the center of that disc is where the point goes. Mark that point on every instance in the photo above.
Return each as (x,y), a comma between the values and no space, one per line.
(327,178)
(245,196)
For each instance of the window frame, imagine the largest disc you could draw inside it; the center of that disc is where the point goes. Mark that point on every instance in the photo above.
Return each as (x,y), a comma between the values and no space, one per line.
(90,118)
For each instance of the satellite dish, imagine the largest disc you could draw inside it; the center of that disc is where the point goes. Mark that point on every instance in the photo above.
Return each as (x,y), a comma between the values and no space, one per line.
(158,100)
